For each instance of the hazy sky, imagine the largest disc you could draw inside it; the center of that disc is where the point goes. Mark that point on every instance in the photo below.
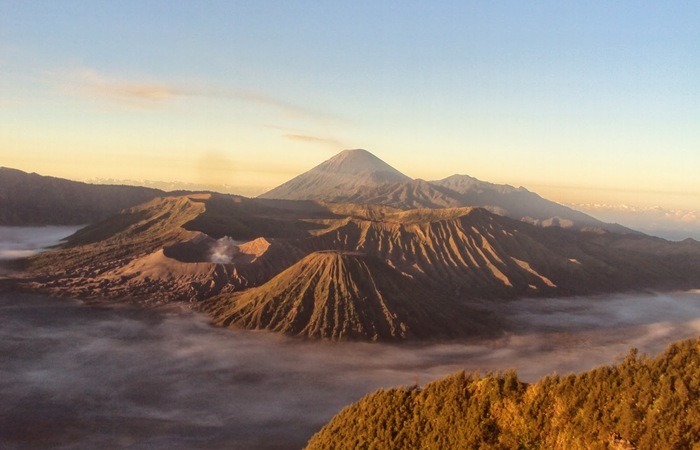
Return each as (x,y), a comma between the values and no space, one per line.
(579,101)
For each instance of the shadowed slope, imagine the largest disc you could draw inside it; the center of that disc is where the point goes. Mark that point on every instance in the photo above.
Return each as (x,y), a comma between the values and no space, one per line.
(31,199)
(340,295)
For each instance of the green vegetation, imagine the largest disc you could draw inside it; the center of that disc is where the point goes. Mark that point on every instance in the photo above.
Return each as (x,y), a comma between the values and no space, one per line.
(638,403)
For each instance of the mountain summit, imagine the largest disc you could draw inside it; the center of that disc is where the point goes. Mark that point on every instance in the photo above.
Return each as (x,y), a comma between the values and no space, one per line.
(342,175)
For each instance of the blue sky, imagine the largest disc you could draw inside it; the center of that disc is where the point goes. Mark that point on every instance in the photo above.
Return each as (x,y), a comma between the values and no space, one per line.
(579,101)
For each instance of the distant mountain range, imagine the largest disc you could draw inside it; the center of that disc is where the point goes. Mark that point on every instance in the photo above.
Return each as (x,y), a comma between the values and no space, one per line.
(180,186)
(32,199)
(674,224)
(357,176)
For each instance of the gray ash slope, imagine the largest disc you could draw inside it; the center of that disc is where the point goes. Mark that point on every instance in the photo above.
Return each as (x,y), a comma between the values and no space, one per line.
(345,173)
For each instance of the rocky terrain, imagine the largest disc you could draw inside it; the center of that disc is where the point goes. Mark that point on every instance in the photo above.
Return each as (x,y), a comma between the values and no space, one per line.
(346,271)
(345,295)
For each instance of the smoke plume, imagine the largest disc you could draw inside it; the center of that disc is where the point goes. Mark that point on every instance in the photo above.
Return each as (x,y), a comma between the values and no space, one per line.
(223,250)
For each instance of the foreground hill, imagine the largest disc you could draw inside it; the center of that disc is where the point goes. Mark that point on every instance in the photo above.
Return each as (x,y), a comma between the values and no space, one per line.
(31,199)
(345,271)
(638,403)
(357,176)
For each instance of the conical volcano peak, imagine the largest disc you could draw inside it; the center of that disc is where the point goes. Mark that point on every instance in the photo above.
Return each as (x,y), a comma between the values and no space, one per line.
(355,153)
(340,295)
(361,162)
(341,175)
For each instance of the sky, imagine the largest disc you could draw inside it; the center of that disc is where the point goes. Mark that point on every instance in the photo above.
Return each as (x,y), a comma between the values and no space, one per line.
(579,101)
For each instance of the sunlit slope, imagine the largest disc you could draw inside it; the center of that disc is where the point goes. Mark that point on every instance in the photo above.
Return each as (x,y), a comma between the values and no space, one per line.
(471,252)
(638,403)
(461,255)
(122,257)
(157,253)
(134,232)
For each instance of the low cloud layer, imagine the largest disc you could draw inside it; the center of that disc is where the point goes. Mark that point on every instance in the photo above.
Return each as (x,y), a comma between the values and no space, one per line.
(87,377)
(21,242)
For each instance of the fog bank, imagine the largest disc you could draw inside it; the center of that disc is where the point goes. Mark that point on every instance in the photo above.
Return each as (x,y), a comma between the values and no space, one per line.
(80,377)
(22,242)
